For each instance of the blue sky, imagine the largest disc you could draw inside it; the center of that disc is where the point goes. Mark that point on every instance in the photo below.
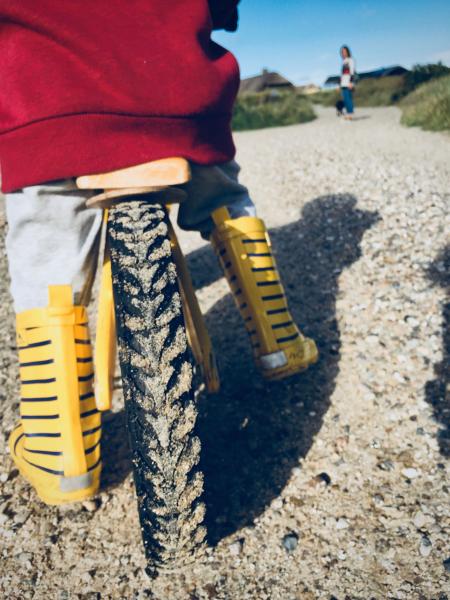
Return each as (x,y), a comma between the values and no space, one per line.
(301,39)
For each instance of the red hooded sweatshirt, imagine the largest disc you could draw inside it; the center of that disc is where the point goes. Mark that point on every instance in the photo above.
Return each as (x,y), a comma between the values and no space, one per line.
(91,86)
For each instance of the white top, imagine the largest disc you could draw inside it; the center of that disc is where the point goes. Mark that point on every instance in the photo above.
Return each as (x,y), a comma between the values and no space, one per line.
(348,71)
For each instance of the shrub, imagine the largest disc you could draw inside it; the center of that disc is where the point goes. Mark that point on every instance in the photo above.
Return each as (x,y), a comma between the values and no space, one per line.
(379,92)
(271,109)
(422,73)
(428,106)
(368,92)
(385,91)
(326,97)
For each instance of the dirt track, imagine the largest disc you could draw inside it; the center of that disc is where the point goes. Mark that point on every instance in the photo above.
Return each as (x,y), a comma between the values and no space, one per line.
(333,484)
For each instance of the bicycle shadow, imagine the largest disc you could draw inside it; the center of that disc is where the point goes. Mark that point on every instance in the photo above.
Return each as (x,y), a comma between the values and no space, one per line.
(116,454)
(436,389)
(253,433)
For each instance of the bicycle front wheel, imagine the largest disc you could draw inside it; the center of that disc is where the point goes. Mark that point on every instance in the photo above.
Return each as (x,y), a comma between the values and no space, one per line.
(157,374)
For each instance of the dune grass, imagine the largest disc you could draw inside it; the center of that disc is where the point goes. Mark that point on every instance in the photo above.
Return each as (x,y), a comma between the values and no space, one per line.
(368,92)
(428,106)
(271,109)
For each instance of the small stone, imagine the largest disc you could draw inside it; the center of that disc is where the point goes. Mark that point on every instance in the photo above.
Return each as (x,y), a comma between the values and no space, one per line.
(412,321)
(20,518)
(342,523)
(290,541)
(25,559)
(91,505)
(86,578)
(420,431)
(324,477)
(3,477)
(420,520)
(296,501)
(425,547)
(341,555)
(406,458)
(386,465)
(236,547)
(277,504)
(410,473)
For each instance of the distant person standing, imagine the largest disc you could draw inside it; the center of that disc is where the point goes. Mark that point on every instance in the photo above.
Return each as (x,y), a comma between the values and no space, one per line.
(347,80)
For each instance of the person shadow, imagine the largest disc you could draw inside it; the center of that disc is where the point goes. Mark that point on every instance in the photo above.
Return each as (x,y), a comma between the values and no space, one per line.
(436,390)
(253,433)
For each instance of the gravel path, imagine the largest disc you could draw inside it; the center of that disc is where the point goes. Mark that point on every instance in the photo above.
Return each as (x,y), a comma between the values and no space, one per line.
(333,484)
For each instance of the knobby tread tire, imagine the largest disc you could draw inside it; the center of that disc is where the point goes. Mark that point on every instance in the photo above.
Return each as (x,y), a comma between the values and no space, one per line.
(158,382)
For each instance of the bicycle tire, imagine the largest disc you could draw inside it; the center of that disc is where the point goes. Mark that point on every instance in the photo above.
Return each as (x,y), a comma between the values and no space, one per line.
(158,382)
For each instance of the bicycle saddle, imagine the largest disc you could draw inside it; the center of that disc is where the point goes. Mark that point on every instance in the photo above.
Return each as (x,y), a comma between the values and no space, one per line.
(157,173)
(153,177)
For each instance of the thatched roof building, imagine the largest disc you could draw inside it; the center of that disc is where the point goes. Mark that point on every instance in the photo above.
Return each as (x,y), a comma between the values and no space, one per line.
(268,80)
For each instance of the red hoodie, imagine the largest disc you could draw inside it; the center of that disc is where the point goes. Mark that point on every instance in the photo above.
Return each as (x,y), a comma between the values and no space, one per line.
(95,85)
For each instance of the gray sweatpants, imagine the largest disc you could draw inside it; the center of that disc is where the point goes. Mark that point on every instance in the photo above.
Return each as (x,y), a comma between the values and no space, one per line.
(53,238)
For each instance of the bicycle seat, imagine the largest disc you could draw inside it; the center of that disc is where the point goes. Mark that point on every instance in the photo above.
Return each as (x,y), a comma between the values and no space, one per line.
(155,174)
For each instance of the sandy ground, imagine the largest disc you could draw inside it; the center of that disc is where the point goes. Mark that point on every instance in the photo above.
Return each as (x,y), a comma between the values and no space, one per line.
(333,484)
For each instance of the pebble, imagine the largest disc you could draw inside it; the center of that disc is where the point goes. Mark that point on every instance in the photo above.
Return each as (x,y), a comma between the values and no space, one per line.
(425,547)
(25,559)
(277,504)
(20,518)
(342,524)
(386,465)
(420,520)
(410,473)
(236,547)
(91,505)
(290,542)
(324,477)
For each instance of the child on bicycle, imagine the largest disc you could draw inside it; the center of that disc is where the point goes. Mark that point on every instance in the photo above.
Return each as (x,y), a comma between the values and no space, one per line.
(91,87)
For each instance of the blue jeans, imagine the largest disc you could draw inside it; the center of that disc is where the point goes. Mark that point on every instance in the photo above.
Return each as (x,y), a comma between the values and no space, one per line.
(347,97)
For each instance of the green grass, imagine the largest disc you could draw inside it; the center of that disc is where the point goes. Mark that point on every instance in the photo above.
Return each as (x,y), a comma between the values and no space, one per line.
(423,95)
(326,97)
(428,106)
(368,92)
(268,109)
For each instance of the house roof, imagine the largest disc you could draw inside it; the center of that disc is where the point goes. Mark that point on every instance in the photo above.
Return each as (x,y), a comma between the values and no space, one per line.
(377,73)
(267,79)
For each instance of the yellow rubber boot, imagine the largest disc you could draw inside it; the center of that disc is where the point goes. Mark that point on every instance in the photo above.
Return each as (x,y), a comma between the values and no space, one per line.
(56,446)
(244,250)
